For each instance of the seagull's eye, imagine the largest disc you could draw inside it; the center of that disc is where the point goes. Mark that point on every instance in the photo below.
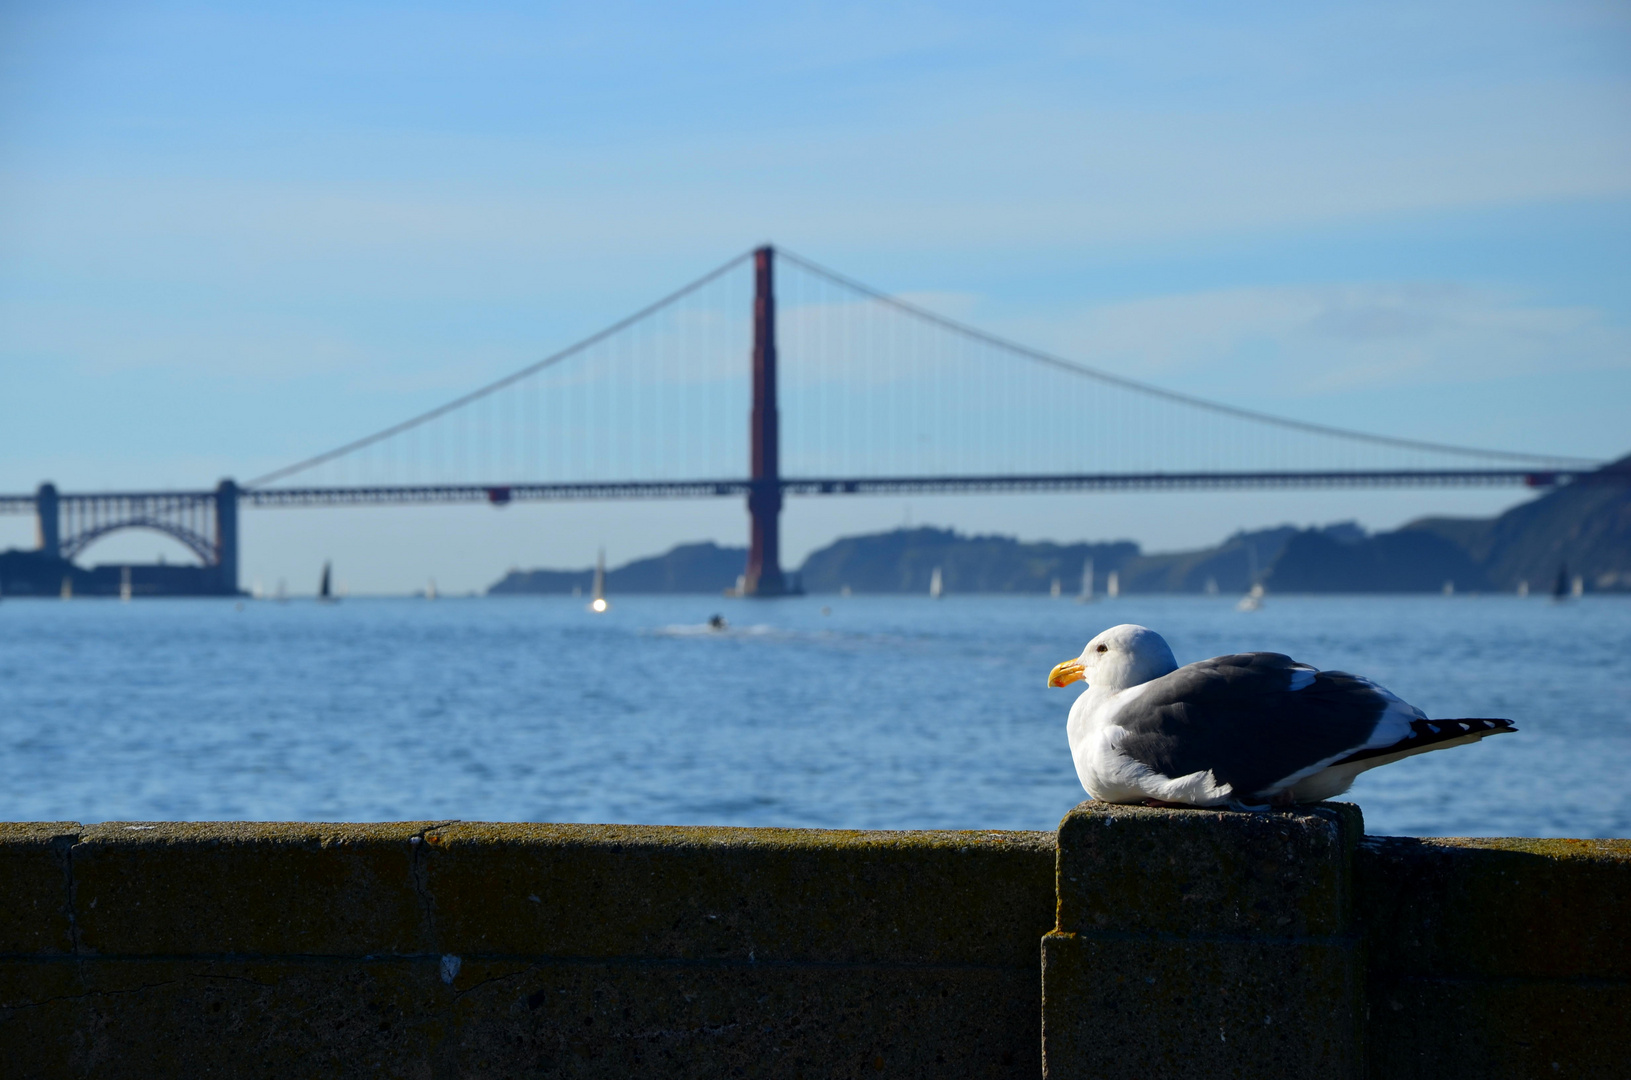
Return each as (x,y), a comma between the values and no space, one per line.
(1102,648)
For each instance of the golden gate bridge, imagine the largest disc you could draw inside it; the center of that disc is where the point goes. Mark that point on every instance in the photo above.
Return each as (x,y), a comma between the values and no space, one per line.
(847,391)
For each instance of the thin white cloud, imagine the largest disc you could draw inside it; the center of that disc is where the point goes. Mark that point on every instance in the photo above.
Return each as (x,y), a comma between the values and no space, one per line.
(1307,340)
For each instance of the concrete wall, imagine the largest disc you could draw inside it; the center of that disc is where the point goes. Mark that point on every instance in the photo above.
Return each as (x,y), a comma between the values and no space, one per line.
(428,950)
(1197,943)
(1172,943)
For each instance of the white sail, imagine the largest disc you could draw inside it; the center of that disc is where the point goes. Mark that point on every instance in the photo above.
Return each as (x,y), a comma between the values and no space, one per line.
(1086,595)
(1053,590)
(936,584)
(1112,585)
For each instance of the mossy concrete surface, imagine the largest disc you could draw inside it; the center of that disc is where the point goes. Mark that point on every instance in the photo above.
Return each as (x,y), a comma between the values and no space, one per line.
(1198,942)
(1183,943)
(1497,958)
(1288,944)
(432,949)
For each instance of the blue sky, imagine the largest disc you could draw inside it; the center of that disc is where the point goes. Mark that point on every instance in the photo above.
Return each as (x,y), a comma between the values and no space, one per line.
(234,235)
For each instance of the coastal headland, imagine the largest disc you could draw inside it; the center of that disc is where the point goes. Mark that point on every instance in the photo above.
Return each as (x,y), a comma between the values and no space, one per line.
(1579,530)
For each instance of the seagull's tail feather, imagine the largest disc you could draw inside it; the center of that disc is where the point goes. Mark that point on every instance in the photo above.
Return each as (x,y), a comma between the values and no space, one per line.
(1432,734)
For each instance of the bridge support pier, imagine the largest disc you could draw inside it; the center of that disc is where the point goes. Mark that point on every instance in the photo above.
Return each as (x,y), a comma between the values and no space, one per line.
(764,571)
(226,536)
(48,512)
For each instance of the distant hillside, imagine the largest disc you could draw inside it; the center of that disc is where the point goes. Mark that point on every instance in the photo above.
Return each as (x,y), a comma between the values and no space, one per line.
(1405,561)
(904,560)
(1584,526)
(688,568)
(1230,567)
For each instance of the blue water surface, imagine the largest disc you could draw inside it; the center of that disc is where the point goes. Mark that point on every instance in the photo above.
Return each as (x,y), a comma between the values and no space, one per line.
(884,713)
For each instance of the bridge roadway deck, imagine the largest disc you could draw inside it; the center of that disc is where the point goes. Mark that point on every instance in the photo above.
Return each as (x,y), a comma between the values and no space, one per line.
(404,494)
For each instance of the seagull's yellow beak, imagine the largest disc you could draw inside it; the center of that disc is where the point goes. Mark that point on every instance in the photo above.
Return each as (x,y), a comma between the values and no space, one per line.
(1066,673)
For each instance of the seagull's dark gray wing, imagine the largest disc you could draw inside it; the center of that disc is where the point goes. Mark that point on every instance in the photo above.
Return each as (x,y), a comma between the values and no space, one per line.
(1253,719)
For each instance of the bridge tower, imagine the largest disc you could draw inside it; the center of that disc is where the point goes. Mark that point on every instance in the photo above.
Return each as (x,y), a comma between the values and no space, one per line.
(48,511)
(226,535)
(764,570)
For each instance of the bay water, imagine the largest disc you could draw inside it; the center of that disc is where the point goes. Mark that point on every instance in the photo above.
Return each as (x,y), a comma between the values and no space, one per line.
(849,712)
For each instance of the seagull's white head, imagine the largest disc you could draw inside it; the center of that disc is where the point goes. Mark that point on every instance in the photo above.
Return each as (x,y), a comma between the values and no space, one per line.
(1122,656)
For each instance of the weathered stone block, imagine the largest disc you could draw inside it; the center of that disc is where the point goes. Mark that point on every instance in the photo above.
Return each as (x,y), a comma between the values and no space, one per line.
(1510,1029)
(1194,942)
(740,894)
(1148,1007)
(1497,908)
(712,1019)
(245,888)
(1495,958)
(255,1018)
(37,1022)
(1133,868)
(35,917)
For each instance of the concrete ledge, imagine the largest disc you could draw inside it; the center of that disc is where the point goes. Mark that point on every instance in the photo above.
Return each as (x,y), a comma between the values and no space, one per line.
(744,894)
(1203,941)
(1173,943)
(1497,958)
(36,914)
(433,948)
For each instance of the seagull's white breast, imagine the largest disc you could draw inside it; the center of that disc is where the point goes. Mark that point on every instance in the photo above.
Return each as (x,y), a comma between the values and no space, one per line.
(1109,774)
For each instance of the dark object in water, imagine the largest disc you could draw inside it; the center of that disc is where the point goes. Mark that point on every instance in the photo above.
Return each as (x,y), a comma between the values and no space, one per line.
(323,591)
(716,622)
(1560,587)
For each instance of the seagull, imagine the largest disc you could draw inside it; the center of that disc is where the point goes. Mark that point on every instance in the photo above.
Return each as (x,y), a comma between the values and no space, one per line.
(1245,731)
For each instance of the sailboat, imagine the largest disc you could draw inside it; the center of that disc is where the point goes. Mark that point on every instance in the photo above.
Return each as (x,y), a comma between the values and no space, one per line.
(325,592)
(936,584)
(1254,596)
(598,605)
(1560,587)
(430,589)
(124,584)
(1112,585)
(1054,589)
(1086,595)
